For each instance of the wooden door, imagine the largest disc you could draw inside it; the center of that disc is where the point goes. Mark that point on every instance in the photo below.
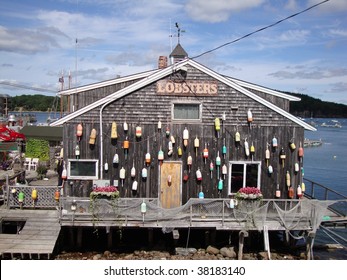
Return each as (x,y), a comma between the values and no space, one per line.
(170,193)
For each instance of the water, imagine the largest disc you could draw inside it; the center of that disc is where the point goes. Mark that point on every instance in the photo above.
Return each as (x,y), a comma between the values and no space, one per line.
(327,165)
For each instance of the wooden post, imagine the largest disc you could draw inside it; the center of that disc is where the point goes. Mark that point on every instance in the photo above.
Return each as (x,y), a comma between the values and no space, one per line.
(109,233)
(310,238)
(242,235)
(79,237)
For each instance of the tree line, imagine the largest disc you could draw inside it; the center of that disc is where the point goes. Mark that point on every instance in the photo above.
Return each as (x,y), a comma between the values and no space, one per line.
(37,102)
(307,107)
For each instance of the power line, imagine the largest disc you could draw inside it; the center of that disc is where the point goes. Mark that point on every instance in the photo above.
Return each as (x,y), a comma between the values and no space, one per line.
(261,29)
(27,87)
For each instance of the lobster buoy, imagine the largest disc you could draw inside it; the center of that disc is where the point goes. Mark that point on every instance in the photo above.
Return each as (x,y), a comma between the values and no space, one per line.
(224,170)
(143,207)
(34,194)
(92,137)
(198,175)
(172,139)
(246,148)
(64,174)
(249,116)
(299,191)
(160,155)
(252,151)
(270,169)
(267,156)
(170,147)
(303,187)
(179,151)
(185,137)
(114,134)
(274,143)
(77,151)
(232,203)
(292,145)
(224,117)
(296,168)
(169,180)
(300,152)
(134,186)
(196,145)
(278,191)
(167,131)
(211,168)
(144,173)
(122,173)
(291,192)
(138,132)
(148,158)
(57,195)
(106,166)
(125,127)
(79,131)
(115,159)
(205,153)
(282,156)
(237,137)
(133,172)
(201,195)
(288,182)
(159,125)
(220,185)
(189,162)
(185,176)
(21,197)
(217,125)
(126,145)
(224,149)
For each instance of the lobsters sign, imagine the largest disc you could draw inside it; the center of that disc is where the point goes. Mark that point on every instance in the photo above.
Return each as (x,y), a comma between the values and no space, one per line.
(187,87)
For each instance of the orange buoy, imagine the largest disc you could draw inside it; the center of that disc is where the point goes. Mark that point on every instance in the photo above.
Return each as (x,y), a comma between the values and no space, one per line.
(57,195)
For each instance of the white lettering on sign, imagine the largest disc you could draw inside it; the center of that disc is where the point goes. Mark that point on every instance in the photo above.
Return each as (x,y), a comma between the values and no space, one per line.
(187,87)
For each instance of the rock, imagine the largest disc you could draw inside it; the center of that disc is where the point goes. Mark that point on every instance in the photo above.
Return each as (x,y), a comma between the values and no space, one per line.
(107,253)
(212,250)
(184,251)
(263,256)
(228,252)
(97,257)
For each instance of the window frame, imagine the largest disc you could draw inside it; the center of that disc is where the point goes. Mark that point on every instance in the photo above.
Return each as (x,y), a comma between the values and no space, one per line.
(244,163)
(83,177)
(179,102)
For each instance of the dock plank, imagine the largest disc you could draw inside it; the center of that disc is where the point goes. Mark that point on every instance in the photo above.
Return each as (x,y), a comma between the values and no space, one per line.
(37,237)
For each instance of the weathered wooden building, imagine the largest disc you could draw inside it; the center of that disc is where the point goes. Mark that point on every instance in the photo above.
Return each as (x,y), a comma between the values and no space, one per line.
(181,130)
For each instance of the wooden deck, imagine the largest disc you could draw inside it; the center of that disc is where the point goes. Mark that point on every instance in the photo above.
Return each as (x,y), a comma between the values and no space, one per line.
(35,240)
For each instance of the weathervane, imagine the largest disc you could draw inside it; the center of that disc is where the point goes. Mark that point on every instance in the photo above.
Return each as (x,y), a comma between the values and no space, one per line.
(178,32)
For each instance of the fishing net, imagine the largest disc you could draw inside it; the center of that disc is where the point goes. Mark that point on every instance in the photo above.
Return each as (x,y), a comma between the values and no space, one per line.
(303,214)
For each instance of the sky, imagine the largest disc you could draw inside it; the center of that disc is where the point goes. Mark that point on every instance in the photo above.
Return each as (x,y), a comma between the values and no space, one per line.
(42,40)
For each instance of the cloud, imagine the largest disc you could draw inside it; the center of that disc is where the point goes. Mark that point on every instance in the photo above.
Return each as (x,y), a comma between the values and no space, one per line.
(7,65)
(218,10)
(28,41)
(310,73)
(330,6)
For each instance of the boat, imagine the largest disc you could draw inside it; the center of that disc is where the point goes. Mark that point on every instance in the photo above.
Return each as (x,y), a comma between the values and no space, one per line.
(312,143)
(332,123)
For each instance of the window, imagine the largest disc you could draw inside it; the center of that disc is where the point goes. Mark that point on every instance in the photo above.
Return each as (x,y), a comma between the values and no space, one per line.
(244,174)
(86,169)
(186,111)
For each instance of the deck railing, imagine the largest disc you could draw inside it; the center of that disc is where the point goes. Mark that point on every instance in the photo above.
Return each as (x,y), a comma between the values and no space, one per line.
(318,191)
(278,214)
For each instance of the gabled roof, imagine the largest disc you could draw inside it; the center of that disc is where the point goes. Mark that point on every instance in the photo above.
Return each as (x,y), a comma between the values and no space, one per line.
(161,73)
(107,83)
(264,89)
